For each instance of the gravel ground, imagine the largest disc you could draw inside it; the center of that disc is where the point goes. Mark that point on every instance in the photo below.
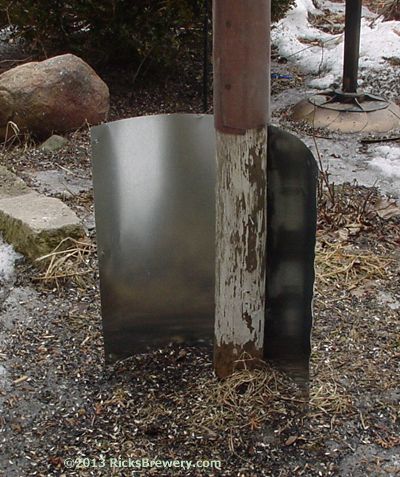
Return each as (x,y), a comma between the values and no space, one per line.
(60,402)
(63,412)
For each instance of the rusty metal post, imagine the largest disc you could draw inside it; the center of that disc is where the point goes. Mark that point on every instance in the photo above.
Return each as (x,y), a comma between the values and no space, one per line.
(241,47)
(351,45)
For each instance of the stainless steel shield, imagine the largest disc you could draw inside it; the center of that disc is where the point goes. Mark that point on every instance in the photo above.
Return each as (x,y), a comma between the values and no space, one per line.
(154,180)
(154,192)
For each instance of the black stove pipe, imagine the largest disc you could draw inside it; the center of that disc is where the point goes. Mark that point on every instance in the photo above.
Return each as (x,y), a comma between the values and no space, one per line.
(351,45)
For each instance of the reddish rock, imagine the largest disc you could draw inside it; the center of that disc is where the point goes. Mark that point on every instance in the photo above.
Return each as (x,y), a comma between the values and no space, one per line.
(56,95)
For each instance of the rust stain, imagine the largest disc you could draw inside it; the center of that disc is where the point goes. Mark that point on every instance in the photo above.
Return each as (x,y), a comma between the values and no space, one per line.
(229,358)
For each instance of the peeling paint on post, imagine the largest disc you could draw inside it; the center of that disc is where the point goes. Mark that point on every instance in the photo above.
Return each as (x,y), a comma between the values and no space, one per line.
(240,248)
(241,52)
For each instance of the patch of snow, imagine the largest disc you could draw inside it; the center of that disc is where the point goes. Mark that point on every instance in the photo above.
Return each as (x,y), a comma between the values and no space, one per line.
(5,33)
(386,160)
(294,30)
(347,162)
(292,35)
(8,256)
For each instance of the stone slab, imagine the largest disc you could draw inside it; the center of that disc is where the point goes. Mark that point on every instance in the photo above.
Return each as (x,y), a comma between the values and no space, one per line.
(35,224)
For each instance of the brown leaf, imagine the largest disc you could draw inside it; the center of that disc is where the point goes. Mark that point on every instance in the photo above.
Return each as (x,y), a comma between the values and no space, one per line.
(56,461)
(291,440)
(354,229)
(182,354)
(387,209)
(343,235)
(359,291)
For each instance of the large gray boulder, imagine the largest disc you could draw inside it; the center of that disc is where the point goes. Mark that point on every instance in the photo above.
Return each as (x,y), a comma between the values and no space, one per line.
(56,95)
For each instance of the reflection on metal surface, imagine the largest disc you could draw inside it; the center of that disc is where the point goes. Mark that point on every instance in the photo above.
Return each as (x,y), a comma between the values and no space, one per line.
(154,180)
(154,195)
(291,232)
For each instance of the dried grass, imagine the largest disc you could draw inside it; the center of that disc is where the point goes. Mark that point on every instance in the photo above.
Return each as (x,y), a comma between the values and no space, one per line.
(339,262)
(391,10)
(71,259)
(247,398)
(14,137)
(328,22)
(330,397)
(253,398)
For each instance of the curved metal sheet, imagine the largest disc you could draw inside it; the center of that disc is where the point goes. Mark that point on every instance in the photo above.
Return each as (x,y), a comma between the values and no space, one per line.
(154,182)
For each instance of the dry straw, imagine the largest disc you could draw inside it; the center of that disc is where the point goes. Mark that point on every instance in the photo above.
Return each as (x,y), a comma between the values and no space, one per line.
(71,259)
(336,261)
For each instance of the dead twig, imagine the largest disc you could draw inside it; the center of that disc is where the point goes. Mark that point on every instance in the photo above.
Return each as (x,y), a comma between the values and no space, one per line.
(383,139)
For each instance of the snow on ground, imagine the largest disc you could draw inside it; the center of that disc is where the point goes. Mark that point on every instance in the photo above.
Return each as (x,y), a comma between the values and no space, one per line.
(386,160)
(9,49)
(343,155)
(319,56)
(7,260)
(5,33)
(292,36)
(347,163)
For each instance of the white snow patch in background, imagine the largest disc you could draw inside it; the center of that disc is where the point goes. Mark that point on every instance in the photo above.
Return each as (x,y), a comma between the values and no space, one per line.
(5,33)
(8,256)
(386,160)
(378,42)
